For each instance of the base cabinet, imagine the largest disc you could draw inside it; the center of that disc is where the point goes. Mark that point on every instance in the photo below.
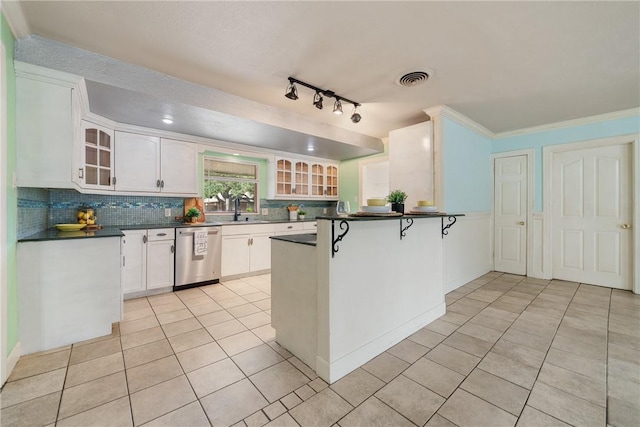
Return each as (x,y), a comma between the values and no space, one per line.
(246,249)
(147,260)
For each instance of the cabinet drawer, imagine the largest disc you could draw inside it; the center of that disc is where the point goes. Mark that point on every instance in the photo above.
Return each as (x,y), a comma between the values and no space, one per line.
(234,230)
(310,226)
(288,227)
(161,234)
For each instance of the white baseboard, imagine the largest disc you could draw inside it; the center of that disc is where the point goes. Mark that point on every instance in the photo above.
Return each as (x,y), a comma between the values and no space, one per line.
(339,368)
(12,360)
(468,252)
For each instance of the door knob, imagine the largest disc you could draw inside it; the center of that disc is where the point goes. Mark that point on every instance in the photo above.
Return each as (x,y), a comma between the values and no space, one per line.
(626,226)
(521,223)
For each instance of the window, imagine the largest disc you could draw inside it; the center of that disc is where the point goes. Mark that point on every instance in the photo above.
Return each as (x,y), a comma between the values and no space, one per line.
(225,180)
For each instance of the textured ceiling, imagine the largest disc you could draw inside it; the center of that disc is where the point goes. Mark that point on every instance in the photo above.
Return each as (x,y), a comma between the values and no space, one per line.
(505,65)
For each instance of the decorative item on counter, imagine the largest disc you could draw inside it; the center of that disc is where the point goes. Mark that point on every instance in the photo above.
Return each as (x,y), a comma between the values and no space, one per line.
(343,208)
(196,202)
(293,212)
(192,215)
(87,217)
(397,198)
(301,215)
(425,206)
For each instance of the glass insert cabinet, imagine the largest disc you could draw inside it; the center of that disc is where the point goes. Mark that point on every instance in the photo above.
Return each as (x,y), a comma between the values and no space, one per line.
(305,179)
(97,156)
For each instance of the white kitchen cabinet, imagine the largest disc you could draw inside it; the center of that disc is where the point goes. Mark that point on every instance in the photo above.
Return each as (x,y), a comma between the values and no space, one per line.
(96,154)
(246,249)
(298,179)
(137,162)
(179,167)
(147,260)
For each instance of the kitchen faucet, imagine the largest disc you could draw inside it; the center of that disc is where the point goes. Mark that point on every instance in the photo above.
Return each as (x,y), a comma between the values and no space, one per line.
(236,209)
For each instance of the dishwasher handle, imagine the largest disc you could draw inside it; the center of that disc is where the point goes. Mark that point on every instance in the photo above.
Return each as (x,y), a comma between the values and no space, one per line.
(190,233)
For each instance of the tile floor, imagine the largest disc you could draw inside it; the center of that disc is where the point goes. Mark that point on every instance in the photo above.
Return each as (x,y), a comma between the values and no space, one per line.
(510,350)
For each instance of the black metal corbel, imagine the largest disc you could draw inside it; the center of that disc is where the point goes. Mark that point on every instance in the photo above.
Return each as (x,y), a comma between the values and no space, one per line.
(403,230)
(344,225)
(445,228)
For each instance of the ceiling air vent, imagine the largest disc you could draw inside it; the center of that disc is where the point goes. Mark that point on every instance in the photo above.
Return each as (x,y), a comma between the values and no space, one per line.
(413,78)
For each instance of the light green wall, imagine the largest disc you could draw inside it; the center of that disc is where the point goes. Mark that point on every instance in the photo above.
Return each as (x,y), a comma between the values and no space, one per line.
(264,173)
(12,195)
(349,181)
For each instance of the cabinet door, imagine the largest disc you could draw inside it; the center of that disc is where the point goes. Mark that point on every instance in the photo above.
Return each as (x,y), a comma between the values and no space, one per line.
(331,189)
(317,180)
(284,177)
(137,162)
(133,270)
(235,255)
(301,179)
(179,167)
(260,258)
(97,156)
(160,263)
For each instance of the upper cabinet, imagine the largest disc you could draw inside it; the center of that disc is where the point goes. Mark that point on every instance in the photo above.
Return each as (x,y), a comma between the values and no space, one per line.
(97,153)
(178,167)
(300,179)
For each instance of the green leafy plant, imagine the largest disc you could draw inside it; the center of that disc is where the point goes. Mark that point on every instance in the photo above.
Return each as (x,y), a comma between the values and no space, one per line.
(192,213)
(301,212)
(397,196)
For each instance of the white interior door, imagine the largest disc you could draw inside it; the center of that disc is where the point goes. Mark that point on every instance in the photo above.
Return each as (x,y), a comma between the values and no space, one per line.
(510,214)
(591,216)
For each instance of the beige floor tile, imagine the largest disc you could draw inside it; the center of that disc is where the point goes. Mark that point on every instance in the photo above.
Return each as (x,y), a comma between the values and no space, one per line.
(581,346)
(284,420)
(291,400)
(469,344)
(318,384)
(427,338)
(410,399)
(434,376)
(243,310)
(465,409)
(146,353)
(532,341)
(439,421)
(153,373)
(278,380)
(622,413)
(198,357)
(162,299)
(32,387)
(626,389)
(174,316)
(136,304)
(233,403)
(256,359)
(166,305)
(92,394)
(531,417)
(481,332)
(357,386)
(499,314)
(454,359)
(145,336)
(323,409)
(266,333)
(505,306)
(161,399)
(181,327)
(442,327)
(213,377)
(255,320)
(93,369)
(582,365)
(117,412)
(566,407)
(207,307)
(256,296)
(226,329)
(519,353)
(95,350)
(408,351)
(30,366)
(191,415)
(465,309)
(138,314)
(385,366)
(238,343)
(571,382)
(302,367)
(190,340)
(374,413)
(279,349)
(305,392)
(214,318)
(496,391)
(35,412)
(257,419)
(264,304)
(488,321)
(138,325)
(232,302)
(509,369)
(455,318)
(274,410)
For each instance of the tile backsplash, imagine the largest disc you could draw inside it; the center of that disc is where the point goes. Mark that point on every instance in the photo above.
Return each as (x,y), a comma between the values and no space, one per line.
(39,209)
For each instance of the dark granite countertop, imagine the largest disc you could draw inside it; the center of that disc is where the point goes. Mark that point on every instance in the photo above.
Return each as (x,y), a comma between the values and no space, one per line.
(303,239)
(55,234)
(373,217)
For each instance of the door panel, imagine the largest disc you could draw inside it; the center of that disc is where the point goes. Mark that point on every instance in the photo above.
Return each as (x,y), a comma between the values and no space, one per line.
(589,206)
(510,214)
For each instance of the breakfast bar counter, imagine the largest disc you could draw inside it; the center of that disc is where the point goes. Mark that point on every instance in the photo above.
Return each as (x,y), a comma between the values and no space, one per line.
(367,284)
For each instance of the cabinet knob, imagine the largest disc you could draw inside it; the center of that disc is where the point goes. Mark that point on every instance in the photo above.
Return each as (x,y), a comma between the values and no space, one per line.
(172,248)
(520,222)
(81,173)
(158,183)
(144,239)
(626,226)
(162,183)
(114,180)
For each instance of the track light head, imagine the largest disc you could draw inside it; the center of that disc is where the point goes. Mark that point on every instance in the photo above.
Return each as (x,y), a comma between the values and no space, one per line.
(356,117)
(317,101)
(337,107)
(292,91)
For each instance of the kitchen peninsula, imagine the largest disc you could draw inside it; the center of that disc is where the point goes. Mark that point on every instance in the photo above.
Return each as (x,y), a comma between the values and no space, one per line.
(361,286)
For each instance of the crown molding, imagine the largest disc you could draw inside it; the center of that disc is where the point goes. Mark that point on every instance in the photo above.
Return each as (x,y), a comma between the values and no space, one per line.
(12,12)
(450,113)
(36,72)
(623,114)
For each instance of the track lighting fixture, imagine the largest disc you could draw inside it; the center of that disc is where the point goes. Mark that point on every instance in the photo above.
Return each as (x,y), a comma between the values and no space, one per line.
(292,93)
(317,101)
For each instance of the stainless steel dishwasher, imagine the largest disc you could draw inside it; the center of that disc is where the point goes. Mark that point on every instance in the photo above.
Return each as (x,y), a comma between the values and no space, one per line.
(196,270)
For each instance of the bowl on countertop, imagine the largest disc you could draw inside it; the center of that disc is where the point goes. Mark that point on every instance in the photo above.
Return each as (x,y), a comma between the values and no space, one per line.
(425,202)
(70,227)
(376,202)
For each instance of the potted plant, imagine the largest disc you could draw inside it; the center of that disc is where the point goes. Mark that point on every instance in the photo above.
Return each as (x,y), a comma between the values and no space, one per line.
(301,214)
(192,214)
(397,198)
